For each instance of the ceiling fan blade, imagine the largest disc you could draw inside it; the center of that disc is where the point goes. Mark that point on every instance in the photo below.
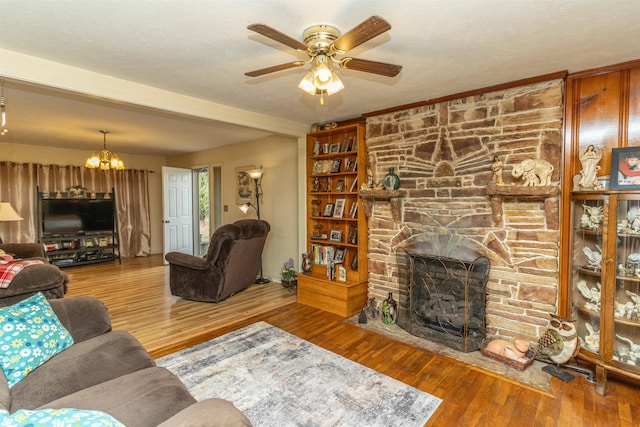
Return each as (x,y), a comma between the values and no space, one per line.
(389,70)
(368,29)
(275,68)
(276,35)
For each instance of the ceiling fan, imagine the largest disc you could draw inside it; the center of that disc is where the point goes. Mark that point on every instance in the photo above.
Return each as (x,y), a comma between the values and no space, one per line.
(323,43)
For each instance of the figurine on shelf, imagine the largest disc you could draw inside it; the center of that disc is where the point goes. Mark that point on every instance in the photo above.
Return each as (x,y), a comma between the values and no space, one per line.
(633,355)
(591,341)
(594,216)
(497,167)
(592,294)
(589,158)
(594,258)
(534,172)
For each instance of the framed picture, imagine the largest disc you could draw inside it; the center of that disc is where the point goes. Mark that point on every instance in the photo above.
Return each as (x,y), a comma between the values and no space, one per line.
(353,210)
(625,168)
(346,144)
(335,166)
(353,184)
(328,209)
(244,185)
(335,235)
(339,209)
(354,262)
(334,148)
(352,237)
(340,185)
(339,256)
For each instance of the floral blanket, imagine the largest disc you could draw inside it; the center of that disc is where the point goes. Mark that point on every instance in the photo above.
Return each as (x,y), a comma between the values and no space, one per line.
(8,270)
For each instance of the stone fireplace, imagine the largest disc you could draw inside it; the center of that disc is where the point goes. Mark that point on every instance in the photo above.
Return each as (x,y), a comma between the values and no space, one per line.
(442,153)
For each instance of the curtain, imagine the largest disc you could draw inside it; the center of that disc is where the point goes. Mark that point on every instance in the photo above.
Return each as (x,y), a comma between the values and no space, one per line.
(19,185)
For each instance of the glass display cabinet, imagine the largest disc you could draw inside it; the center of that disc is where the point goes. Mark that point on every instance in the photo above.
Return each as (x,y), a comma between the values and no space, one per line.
(605,281)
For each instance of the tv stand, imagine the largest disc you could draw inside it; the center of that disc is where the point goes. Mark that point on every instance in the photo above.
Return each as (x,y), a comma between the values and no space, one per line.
(72,248)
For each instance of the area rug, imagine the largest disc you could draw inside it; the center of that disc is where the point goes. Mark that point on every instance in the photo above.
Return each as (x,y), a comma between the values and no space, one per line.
(278,379)
(532,376)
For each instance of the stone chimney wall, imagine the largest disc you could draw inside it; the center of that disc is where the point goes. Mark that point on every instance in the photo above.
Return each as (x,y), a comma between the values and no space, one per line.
(443,155)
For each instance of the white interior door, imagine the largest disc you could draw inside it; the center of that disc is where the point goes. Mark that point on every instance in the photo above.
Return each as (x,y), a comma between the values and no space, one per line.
(177,214)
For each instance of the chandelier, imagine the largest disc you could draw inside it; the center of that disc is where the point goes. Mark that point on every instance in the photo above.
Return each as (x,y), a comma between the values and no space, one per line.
(104,159)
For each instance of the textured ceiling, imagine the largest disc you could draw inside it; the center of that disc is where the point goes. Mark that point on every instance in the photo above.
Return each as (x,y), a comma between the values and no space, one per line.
(202,48)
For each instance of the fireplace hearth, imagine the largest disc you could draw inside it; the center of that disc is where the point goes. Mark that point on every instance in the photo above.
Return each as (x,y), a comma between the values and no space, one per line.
(443,299)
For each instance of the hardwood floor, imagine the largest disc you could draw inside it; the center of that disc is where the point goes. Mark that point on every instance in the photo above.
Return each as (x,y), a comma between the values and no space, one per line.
(139,301)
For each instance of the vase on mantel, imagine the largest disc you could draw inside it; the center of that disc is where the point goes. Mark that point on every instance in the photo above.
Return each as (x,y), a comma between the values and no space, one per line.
(391,181)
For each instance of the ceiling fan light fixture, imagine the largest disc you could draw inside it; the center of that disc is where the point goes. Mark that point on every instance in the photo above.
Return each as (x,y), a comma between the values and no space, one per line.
(336,84)
(307,84)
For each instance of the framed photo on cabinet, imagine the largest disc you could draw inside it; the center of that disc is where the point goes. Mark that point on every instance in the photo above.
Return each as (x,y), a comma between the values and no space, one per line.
(334,148)
(339,256)
(625,168)
(335,235)
(340,185)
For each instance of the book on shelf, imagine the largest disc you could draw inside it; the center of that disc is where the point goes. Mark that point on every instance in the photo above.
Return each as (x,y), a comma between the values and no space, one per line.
(322,254)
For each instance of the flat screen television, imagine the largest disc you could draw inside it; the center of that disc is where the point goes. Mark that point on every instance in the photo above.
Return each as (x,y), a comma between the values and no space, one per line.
(68,216)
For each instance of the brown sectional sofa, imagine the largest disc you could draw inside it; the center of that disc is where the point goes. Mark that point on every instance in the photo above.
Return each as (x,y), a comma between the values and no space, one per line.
(110,371)
(45,278)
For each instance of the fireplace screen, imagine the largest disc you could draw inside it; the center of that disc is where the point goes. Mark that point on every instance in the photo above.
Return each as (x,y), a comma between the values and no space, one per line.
(443,299)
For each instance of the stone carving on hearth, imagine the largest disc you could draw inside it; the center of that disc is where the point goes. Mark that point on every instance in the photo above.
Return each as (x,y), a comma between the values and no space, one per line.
(533,172)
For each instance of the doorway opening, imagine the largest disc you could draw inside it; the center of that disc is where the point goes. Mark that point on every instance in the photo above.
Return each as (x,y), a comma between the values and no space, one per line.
(202,227)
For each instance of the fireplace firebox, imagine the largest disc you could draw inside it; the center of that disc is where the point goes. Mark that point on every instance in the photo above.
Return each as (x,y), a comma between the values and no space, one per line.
(443,299)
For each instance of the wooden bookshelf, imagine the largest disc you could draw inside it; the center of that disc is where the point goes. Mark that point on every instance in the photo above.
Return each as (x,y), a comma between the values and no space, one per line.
(336,221)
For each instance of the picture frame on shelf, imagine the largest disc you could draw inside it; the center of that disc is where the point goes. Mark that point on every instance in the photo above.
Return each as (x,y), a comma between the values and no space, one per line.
(340,254)
(339,185)
(339,208)
(328,210)
(625,168)
(354,185)
(354,144)
(342,273)
(352,237)
(349,165)
(335,235)
(335,166)
(346,145)
(353,210)
(334,148)
(354,262)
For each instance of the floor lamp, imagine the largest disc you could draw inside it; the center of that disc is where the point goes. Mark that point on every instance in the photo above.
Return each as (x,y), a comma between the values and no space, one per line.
(256,174)
(7,213)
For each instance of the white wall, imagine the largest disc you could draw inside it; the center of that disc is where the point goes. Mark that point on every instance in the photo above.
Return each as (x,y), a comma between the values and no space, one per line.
(61,156)
(279,205)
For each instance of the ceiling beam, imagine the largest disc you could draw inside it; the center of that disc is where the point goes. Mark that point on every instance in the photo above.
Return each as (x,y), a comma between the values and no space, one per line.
(37,71)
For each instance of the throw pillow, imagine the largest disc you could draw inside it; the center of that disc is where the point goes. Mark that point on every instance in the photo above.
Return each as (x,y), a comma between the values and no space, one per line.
(30,334)
(57,417)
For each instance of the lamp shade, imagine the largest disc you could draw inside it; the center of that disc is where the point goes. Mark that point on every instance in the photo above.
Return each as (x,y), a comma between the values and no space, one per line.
(7,213)
(255,173)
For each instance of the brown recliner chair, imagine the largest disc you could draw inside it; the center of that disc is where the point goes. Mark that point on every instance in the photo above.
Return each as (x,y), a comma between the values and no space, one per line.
(231,264)
(45,278)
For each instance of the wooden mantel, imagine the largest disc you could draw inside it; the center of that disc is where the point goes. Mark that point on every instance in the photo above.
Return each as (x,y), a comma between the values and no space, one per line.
(549,193)
(394,197)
